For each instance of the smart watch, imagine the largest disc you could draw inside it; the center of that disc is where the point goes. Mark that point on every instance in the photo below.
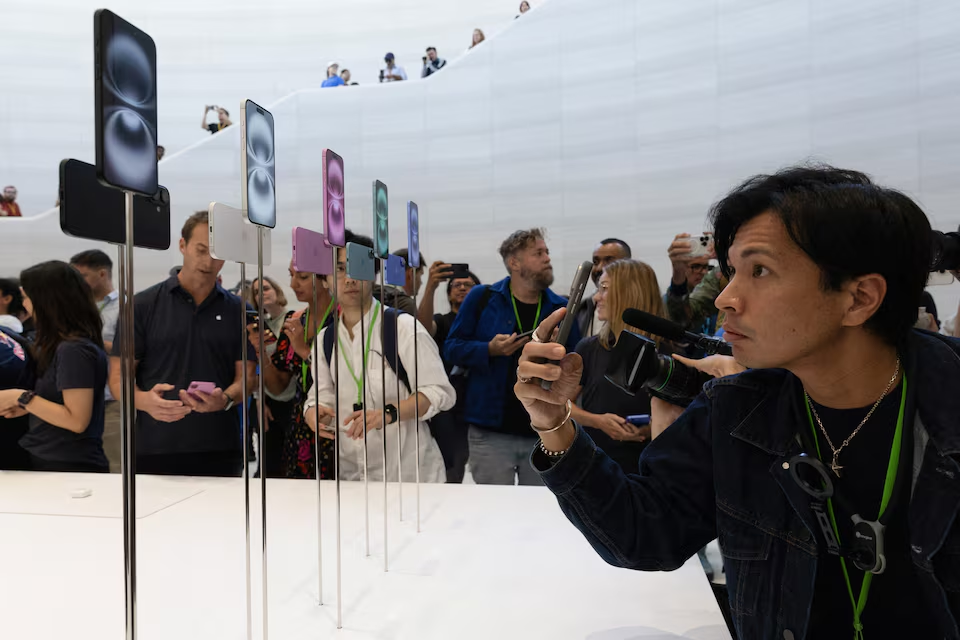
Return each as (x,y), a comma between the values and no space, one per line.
(25,398)
(392,413)
(230,403)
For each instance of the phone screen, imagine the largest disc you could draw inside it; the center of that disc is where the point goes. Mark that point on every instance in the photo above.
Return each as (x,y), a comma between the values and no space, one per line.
(413,234)
(333,220)
(90,210)
(259,188)
(381,236)
(125,63)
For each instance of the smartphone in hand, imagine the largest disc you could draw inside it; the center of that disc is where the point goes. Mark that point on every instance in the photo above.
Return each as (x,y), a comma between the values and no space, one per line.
(573,303)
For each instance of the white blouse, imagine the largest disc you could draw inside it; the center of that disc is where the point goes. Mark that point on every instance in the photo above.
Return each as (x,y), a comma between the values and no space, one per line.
(433,384)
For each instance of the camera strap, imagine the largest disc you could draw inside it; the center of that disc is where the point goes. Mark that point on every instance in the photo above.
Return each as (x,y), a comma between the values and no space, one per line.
(865,529)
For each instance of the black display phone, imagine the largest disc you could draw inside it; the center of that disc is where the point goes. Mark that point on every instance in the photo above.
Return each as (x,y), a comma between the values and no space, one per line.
(579,285)
(92,211)
(125,94)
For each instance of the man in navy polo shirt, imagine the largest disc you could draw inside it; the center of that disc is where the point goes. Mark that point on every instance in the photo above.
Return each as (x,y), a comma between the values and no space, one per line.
(188,329)
(486,339)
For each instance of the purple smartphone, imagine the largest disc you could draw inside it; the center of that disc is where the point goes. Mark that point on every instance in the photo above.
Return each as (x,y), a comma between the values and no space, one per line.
(203,387)
(311,254)
(413,234)
(333,211)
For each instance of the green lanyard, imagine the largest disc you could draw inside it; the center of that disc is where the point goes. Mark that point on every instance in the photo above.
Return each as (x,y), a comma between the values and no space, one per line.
(306,327)
(860,604)
(517,314)
(359,379)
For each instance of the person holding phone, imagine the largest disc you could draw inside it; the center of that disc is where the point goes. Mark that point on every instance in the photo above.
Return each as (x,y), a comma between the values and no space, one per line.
(432,63)
(292,442)
(693,291)
(486,339)
(358,397)
(66,404)
(188,329)
(392,72)
(223,119)
(450,427)
(404,298)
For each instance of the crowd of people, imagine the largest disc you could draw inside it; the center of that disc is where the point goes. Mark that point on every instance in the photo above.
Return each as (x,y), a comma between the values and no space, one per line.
(188,330)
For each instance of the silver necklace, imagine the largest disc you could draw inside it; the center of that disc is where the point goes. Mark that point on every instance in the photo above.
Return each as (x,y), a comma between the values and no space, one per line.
(835,466)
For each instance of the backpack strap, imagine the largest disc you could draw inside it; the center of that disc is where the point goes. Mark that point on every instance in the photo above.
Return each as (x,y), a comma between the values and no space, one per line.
(389,345)
(484,299)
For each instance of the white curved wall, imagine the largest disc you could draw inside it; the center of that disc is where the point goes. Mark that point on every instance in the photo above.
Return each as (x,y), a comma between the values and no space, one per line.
(610,117)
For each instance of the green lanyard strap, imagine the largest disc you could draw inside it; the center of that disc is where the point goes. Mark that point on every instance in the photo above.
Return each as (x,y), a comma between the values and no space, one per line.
(517,314)
(358,380)
(306,327)
(859,604)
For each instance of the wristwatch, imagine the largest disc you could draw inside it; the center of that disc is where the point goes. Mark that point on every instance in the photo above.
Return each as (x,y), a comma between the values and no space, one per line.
(230,403)
(392,413)
(25,398)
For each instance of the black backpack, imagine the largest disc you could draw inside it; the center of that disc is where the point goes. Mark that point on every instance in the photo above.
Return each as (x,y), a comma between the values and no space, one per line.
(389,345)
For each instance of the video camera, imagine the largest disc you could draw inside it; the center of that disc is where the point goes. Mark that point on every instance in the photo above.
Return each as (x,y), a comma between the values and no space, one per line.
(946,251)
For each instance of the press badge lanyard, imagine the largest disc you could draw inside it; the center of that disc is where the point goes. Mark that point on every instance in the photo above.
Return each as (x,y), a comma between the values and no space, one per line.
(366,356)
(517,314)
(306,327)
(888,485)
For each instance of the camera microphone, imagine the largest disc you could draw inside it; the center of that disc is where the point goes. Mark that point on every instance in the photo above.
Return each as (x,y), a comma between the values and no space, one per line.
(673,331)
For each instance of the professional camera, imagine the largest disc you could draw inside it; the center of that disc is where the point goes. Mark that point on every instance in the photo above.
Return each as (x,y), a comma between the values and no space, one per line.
(637,365)
(946,251)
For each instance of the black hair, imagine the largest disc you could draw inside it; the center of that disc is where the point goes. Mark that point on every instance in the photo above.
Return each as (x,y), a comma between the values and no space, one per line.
(623,244)
(470,274)
(405,254)
(849,227)
(11,287)
(63,308)
(93,259)
(434,49)
(366,241)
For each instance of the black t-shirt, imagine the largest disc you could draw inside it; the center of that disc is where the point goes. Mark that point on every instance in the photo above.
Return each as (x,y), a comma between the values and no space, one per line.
(178,342)
(444,324)
(77,364)
(895,608)
(516,420)
(600,396)
(215,126)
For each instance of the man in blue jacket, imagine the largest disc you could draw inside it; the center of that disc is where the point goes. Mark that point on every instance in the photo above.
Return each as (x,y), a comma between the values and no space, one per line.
(492,326)
(829,470)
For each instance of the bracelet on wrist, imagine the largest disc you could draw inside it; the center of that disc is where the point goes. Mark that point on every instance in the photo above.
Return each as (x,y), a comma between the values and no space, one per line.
(566,419)
(551,454)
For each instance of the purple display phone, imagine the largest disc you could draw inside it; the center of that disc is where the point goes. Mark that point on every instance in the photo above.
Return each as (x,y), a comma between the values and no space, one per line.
(638,420)
(333,189)
(311,254)
(413,234)
(396,273)
(202,387)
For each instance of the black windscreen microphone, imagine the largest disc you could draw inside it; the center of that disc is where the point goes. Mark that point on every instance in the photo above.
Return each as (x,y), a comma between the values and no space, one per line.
(673,331)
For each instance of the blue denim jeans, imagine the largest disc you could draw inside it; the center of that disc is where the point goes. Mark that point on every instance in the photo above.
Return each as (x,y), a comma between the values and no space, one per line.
(501,458)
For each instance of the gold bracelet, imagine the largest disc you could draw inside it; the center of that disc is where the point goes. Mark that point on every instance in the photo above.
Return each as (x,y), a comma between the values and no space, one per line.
(566,419)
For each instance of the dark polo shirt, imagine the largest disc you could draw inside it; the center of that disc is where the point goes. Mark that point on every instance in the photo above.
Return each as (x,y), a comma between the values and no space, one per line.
(178,342)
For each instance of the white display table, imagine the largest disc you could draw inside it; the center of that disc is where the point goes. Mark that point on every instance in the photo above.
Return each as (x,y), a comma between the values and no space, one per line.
(490,563)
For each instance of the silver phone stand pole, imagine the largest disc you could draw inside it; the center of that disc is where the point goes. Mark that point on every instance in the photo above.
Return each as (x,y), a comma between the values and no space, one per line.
(416,400)
(128,457)
(336,428)
(263,421)
(396,351)
(363,410)
(383,406)
(316,440)
(245,430)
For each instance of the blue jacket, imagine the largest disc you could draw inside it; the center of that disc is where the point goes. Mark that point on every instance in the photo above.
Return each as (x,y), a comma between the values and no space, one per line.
(466,347)
(719,470)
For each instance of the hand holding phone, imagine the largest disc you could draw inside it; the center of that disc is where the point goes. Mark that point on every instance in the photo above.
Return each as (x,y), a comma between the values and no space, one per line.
(202,387)
(573,303)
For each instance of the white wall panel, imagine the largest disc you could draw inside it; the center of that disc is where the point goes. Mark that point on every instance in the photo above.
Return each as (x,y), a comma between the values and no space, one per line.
(592,118)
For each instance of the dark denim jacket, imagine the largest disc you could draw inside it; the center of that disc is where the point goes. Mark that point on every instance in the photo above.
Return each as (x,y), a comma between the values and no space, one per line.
(718,472)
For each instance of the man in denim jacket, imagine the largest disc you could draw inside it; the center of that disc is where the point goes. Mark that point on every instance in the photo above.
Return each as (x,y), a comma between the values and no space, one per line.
(826,271)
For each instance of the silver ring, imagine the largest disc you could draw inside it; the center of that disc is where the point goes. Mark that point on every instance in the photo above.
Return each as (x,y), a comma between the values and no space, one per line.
(521,379)
(535,337)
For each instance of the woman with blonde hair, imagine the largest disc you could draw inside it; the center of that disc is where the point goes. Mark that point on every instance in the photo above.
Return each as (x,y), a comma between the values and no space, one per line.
(477,38)
(602,408)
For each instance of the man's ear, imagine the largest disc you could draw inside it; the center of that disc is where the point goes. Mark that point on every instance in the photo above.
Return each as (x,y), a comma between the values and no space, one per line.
(183,246)
(866,293)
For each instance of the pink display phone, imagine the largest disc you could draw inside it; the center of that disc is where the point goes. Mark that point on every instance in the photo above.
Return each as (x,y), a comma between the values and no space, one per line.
(202,387)
(333,207)
(311,254)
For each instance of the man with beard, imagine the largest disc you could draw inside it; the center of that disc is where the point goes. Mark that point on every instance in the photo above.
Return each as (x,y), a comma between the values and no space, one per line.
(606,252)
(493,324)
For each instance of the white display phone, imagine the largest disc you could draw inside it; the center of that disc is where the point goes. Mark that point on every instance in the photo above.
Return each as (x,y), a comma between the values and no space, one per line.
(234,239)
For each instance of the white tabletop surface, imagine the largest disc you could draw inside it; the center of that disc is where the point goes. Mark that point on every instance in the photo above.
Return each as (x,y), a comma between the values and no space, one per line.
(490,563)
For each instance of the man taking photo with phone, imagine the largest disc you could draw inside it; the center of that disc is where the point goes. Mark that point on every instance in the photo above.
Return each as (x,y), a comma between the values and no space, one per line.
(828,470)
(493,324)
